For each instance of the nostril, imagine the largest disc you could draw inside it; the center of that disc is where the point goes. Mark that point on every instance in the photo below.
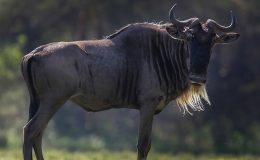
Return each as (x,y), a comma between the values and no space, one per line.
(194,78)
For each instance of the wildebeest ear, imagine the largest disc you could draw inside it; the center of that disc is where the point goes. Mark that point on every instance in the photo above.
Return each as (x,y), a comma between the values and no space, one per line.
(175,32)
(227,37)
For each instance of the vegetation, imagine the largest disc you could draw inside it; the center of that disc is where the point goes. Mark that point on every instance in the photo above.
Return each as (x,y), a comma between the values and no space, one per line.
(107,155)
(230,126)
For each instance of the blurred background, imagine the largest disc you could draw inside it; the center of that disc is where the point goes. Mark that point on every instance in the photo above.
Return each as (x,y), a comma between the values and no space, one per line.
(230,125)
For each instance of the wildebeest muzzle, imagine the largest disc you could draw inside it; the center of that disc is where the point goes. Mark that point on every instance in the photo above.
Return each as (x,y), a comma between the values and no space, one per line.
(197,79)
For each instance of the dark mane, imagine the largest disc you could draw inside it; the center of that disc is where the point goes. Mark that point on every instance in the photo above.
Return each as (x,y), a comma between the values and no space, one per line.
(161,26)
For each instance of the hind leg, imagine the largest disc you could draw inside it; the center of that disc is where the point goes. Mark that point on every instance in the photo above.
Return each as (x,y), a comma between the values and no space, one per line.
(31,132)
(37,146)
(34,128)
(38,139)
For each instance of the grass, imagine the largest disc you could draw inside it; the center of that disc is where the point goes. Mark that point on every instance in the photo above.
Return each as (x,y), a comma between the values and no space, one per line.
(125,155)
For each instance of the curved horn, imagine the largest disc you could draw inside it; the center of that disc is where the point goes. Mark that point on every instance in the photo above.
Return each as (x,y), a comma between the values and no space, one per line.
(214,25)
(177,22)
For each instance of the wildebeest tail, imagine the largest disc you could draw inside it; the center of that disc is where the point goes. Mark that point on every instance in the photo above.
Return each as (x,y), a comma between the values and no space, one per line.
(27,74)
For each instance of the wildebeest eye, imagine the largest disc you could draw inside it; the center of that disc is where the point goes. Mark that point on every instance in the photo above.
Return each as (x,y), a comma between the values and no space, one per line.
(214,36)
(189,34)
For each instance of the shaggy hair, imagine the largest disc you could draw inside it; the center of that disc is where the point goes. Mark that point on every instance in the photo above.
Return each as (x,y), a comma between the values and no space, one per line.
(192,97)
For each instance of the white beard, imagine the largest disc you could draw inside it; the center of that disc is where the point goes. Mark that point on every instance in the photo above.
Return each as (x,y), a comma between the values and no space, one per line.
(192,97)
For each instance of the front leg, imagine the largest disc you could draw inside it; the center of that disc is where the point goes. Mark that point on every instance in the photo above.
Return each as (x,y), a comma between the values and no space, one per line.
(145,129)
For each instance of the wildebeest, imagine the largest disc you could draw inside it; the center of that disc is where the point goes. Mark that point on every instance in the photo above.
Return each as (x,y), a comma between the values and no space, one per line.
(143,66)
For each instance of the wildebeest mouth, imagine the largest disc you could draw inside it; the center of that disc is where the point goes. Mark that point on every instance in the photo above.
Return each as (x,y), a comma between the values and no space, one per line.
(197,79)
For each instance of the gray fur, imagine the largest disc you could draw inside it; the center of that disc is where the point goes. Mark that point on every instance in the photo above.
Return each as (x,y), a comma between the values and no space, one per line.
(140,67)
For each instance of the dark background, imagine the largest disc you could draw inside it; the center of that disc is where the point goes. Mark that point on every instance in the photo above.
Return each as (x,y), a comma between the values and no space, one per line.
(229,125)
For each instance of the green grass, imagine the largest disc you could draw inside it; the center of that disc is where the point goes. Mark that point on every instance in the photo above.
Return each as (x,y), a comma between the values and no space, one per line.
(124,155)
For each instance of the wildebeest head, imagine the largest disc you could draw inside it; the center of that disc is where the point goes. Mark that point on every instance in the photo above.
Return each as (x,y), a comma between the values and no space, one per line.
(200,38)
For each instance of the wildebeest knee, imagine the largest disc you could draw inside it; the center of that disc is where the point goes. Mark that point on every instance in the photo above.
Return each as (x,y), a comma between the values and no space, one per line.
(140,150)
(144,148)
(29,133)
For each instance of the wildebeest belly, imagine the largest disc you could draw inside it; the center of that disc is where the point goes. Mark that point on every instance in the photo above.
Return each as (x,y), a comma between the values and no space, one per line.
(94,103)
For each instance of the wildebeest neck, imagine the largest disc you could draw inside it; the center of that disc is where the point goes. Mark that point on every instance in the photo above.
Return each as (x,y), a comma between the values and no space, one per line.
(166,57)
